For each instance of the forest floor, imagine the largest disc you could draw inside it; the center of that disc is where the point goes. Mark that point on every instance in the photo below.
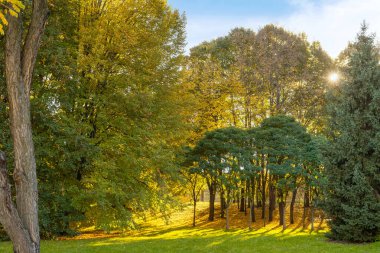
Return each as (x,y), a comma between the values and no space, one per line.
(155,235)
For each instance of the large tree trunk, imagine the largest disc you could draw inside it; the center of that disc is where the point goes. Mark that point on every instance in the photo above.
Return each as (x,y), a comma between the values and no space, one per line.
(20,57)
(292,206)
(9,217)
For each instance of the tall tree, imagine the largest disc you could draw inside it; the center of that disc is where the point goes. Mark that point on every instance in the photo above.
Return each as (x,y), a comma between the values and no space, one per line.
(353,171)
(21,222)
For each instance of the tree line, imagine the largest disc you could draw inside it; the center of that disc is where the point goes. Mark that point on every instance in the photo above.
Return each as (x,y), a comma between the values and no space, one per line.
(114,99)
(260,167)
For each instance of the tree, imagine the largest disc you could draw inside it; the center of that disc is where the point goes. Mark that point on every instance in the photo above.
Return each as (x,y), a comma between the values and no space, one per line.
(352,168)
(129,65)
(223,155)
(21,222)
(281,140)
(196,183)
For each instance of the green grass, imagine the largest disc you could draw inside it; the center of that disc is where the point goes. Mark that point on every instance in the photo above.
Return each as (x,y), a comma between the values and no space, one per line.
(187,239)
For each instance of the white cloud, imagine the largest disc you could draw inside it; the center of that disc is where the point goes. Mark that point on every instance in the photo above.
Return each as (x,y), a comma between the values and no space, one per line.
(333,23)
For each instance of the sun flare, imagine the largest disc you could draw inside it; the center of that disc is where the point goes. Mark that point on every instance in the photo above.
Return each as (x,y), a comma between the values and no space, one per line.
(334,77)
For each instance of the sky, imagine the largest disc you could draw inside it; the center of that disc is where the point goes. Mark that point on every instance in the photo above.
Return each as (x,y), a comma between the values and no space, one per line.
(332,22)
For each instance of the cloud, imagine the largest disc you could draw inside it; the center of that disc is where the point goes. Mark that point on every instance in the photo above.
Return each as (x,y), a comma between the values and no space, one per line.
(335,23)
(332,22)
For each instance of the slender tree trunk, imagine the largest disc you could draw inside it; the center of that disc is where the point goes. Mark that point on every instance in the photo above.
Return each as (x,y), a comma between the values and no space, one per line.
(281,208)
(304,214)
(272,199)
(252,207)
(20,57)
(307,197)
(294,195)
(222,204)
(242,200)
(282,214)
(227,217)
(194,212)
(211,188)
(247,198)
(258,200)
(194,204)
(311,218)
(263,198)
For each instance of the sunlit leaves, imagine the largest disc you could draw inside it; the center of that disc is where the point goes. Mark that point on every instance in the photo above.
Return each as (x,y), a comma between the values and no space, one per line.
(9,7)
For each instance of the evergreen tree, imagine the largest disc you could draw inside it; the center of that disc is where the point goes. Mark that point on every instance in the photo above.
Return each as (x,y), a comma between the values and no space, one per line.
(353,166)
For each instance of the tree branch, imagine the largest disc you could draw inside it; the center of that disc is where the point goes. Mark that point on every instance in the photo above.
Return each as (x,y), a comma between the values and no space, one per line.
(32,41)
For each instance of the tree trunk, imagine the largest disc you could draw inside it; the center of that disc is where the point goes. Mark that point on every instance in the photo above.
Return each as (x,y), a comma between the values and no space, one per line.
(304,214)
(263,198)
(258,200)
(252,207)
(281,208)
(307,197)
(272,200)
(311,218)
(242,200)
(194,204)
(222,204)
(292,206)
(9,216)
(211,188)
(251,215)
(20,57)
(227,218)
(194,211)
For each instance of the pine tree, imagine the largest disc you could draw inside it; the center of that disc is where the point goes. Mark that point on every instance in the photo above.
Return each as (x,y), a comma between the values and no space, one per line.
(353,166)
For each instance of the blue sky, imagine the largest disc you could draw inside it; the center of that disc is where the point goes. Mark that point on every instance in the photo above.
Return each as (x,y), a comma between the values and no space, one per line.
(332,22)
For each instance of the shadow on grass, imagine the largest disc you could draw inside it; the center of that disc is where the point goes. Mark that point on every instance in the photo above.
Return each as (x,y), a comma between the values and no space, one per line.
(219,241)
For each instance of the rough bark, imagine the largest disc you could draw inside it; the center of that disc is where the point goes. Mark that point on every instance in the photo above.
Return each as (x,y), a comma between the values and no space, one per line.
(20,57)
(9,217)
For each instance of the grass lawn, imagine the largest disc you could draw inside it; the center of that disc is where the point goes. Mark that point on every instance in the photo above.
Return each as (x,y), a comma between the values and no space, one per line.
(157,237)
(205,240)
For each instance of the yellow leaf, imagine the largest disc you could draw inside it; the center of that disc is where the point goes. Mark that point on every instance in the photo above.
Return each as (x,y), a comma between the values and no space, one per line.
(3,19)
(13,13)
